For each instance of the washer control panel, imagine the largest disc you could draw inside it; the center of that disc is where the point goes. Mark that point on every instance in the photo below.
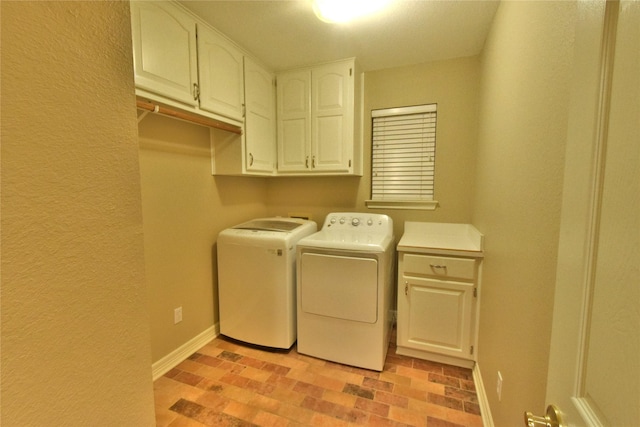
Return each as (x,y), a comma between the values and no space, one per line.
(357,221)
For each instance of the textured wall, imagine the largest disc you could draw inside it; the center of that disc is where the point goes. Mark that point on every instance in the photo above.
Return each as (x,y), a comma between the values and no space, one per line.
(521,145)
(75,334)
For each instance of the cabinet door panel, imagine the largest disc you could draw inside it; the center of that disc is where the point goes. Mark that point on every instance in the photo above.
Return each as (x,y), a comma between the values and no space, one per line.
(260,118)
(330,91)
(221,75)
(436,316)
(292,156)
(332,116)
(164,50)
(294,121)
(329,153)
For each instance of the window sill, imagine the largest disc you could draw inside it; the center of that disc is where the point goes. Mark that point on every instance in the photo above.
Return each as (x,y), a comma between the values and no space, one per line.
(426,205)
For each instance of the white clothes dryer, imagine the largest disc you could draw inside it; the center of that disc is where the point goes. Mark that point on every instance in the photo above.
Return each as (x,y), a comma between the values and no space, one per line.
(345,290)
(256,280)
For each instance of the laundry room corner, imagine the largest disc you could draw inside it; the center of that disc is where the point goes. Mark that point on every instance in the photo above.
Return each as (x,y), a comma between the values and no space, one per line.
(184,209)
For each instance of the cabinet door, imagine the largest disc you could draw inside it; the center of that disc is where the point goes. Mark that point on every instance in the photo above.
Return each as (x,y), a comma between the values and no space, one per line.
(332,117)
(294,121)
(435,316)
(259,132)
(221,75)
(164,50)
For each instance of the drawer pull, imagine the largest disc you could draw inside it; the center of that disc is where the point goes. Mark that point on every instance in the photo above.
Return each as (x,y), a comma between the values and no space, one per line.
(406,288)
(438,266)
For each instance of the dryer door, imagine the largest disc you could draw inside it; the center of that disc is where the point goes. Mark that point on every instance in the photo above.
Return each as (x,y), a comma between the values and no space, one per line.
(341,287)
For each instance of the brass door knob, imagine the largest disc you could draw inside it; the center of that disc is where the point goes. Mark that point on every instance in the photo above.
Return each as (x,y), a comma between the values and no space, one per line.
(553,418)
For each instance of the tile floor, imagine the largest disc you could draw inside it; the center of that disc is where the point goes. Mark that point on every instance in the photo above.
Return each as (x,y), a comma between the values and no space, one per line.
(229,384)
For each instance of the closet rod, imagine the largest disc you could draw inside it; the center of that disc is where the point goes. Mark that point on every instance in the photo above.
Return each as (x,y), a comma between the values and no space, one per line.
(204,121)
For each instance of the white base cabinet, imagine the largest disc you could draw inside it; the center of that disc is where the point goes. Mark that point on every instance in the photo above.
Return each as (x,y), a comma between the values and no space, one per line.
(438,298)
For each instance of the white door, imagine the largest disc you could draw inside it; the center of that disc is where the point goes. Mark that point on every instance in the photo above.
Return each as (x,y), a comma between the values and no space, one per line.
(339,287)
(164,50)
(221,75)
(332,117)
(260,131)
(594,367)
(294,121)
(436,316)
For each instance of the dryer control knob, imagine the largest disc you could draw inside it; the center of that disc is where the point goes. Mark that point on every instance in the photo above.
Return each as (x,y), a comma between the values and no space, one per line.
(342,220)
(333,220)
(355,222)
(369,221)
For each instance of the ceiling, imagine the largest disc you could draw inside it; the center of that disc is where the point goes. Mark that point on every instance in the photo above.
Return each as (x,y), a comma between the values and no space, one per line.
(286,34)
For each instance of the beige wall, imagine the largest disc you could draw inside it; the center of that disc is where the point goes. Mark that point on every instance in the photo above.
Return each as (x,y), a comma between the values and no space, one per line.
(521,144)
(454,85)
(184,209)
(75,329)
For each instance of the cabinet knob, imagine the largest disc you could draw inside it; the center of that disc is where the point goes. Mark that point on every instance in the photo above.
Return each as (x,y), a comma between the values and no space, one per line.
(306,162)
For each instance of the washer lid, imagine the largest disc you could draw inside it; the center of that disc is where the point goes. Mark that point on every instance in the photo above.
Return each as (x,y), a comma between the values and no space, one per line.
(269,225)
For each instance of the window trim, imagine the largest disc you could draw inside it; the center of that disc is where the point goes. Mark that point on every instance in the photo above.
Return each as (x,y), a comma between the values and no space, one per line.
(426,205)
(392,203)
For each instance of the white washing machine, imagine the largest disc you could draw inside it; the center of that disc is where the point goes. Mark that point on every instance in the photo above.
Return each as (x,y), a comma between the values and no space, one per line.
(257,280)
(345,290)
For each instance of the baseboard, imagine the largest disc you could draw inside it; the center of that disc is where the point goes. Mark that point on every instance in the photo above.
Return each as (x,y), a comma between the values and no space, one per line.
(176,357)
(485,410)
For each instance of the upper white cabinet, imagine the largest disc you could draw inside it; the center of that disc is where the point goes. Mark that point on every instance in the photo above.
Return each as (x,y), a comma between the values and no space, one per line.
(221,74)
(254,152)
(164,50)
(181,62)
(260,118)
(317,129)
(294,121)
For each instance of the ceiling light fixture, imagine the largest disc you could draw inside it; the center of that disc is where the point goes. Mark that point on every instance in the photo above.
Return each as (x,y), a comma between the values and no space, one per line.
(346,10)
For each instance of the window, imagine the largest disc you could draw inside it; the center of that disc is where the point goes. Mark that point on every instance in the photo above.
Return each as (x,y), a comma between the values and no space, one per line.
(403,157)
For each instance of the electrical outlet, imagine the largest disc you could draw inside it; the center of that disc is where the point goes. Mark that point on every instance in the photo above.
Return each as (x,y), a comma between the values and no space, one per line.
(177,315)
(499,386)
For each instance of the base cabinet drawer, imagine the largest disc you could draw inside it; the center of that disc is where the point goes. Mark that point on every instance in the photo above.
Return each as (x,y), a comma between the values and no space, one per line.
(439,266)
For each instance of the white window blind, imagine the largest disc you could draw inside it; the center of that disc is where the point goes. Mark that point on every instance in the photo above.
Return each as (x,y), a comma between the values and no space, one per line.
(403,153)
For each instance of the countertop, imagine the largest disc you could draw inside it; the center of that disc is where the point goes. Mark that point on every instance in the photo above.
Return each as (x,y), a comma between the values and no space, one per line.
(442,239)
